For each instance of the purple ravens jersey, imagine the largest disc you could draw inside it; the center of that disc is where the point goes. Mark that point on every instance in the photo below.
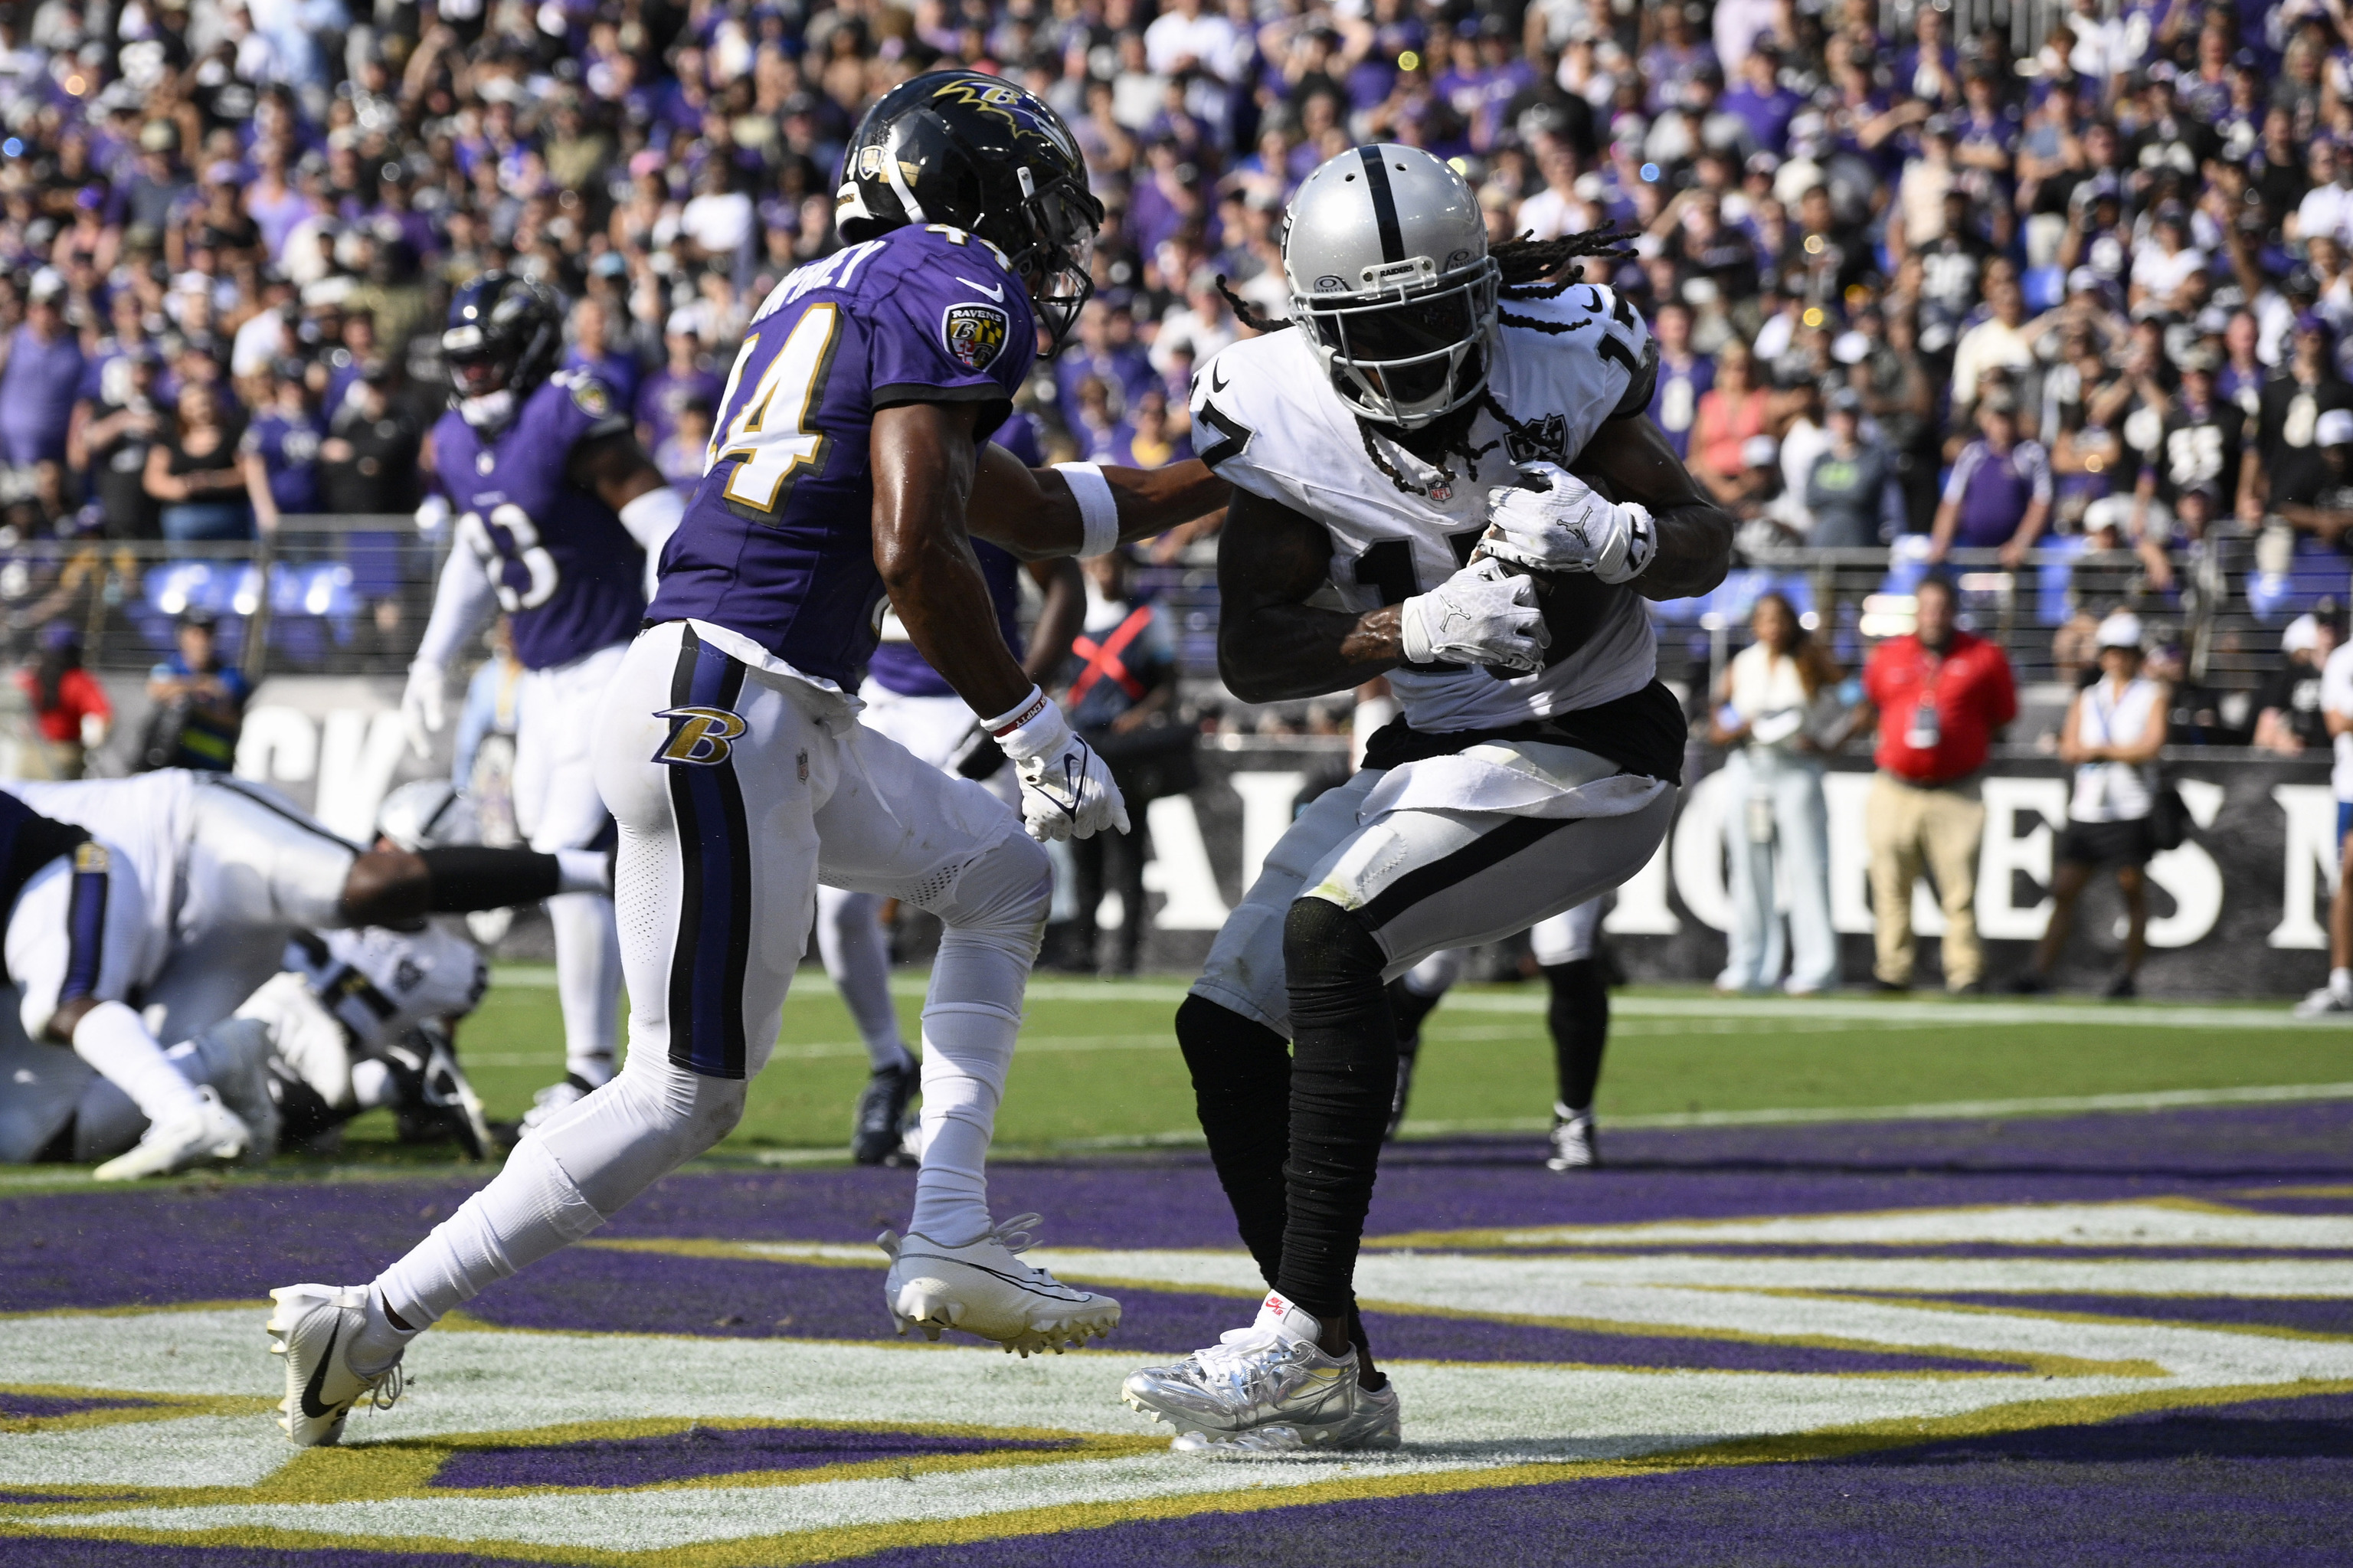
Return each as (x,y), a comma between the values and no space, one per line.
(777,543)
(568,574)
(897,666)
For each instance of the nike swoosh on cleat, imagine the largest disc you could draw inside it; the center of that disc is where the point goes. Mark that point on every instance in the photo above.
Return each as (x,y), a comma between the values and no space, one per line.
(311,1407)
(997,293)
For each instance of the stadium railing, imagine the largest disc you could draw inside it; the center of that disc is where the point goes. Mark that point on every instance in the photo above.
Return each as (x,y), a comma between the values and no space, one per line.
(323,595)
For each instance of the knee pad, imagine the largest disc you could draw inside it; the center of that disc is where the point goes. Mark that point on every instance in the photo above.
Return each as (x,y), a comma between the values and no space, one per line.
(1008,888)
(1323,944)
(1222,1048)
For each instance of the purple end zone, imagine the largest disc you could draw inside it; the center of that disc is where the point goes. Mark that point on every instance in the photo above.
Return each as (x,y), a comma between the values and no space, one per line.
(651,1293)
(706,1451)
(59,1551)
(209,1242)
(32,1406)
(2269,1483)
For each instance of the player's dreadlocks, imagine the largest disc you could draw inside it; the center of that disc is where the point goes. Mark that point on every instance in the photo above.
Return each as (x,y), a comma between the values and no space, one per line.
(1531,268)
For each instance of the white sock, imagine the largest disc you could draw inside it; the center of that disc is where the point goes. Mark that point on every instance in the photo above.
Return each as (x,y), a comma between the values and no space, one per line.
(380,1340)
(967,1049)
(583,871)
(2340,983)
(532,1209)
(373,1084)
(587,982)
(850,939)
(111,1039)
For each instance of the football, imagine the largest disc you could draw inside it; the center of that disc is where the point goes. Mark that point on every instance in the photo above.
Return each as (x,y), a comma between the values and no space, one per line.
(1572,602)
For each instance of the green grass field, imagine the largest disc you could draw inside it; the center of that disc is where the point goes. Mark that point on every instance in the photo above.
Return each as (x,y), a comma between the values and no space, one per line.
(1098,1063)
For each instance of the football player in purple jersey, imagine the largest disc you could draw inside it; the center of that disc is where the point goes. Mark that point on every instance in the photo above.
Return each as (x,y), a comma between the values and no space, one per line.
(915,705)
(840,483)
(556,506)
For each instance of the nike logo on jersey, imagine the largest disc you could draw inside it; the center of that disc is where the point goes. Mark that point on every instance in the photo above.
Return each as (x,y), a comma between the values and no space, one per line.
(312,1405)
(699,736)
(1217,378)
(997,293)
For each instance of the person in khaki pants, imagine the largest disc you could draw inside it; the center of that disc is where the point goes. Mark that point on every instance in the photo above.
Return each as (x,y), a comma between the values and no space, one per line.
(1941,695)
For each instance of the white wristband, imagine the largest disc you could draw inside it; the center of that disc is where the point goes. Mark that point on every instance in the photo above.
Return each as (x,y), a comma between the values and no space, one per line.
(1019,714)
(1098,512)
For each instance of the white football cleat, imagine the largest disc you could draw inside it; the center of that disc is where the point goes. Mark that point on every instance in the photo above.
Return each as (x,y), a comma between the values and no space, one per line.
(244,1085)
(313,1327)
(1267,1389)
(556,1098)
(1575,1146)
(982,1288)
(212,1133)
(2323,1002)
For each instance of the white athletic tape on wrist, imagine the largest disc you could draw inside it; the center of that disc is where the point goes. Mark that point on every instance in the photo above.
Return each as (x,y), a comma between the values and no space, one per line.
(1098,511)
(1019,714)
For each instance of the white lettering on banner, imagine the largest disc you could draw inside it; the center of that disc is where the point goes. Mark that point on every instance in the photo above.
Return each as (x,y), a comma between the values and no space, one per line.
(1267,802)
(278,745)
(2188,875)
(1698,852)
(1179,869)
(1842,794)
(1642,909)
(357,757)
(2311,811)
(2007,852)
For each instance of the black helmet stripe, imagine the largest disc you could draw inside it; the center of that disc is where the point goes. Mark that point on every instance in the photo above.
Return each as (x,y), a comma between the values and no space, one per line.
(1385,212)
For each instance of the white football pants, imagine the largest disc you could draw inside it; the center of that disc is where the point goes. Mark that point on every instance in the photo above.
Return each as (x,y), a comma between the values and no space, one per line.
(736,790)
(557,806)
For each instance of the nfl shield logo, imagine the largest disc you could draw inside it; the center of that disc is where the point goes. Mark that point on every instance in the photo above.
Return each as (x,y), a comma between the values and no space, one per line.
(975,334)
(1441,490)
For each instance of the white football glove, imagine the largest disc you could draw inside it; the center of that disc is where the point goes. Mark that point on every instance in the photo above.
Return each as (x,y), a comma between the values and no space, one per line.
(421,712)
(1480,615)
(1553,520)
(1067,789)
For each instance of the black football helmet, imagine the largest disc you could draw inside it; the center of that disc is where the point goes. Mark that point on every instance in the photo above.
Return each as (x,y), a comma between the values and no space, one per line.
(974,151)
(505,333)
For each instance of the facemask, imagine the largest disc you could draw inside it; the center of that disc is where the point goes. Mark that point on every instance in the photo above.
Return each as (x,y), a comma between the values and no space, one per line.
(488,411)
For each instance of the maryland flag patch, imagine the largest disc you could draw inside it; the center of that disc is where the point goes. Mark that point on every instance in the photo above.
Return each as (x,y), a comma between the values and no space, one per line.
(589,395)
(976,333)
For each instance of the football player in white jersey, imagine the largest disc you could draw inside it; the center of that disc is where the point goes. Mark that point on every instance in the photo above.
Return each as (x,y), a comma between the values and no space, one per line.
(1373,451)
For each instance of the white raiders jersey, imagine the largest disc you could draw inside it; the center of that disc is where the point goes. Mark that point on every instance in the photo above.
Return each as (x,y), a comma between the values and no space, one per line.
(380,984)
(1266,419)
(147,818)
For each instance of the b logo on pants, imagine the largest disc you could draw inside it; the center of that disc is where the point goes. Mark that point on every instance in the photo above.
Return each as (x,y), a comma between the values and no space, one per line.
(700,736)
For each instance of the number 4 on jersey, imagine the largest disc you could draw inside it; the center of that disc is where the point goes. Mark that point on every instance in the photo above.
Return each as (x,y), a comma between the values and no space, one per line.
(769,433)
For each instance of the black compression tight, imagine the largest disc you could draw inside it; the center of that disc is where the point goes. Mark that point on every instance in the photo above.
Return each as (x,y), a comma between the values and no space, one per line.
(1580,1016)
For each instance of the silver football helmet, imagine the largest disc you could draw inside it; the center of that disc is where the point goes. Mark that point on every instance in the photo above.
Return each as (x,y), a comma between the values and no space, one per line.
(428,814)
(1386,252)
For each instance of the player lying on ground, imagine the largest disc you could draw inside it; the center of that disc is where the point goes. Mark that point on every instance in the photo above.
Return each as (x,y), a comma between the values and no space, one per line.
(730,755)
(1567,950)
(1537,757)
(215,876)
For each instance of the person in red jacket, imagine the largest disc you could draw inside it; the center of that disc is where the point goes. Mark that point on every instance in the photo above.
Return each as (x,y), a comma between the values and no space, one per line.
(1942,698)
(69,704)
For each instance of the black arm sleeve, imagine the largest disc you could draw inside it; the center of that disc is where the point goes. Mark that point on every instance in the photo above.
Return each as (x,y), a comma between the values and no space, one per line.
(468,877)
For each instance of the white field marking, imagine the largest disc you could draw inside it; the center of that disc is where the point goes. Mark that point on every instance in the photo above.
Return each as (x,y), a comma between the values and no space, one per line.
(2127,1225)
(190,1451)
(1562,1287)
(1460,1416)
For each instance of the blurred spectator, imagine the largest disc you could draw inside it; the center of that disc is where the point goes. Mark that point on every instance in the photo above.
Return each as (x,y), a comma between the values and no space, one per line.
(2324,508)
(111,440)
(682,379)
(594,352)
(1731,414)
(199,704)
(2337,708)
(1121,696)
(284,439)
(490,708)
(2114,731)
(69,704)
(367,460)
(2288,469)
(40,378)
(1846,488)
(1941,696)
(196,471)
(681,455)
(2288,719)
(1684,377)
(1775,827)
(1998,495)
